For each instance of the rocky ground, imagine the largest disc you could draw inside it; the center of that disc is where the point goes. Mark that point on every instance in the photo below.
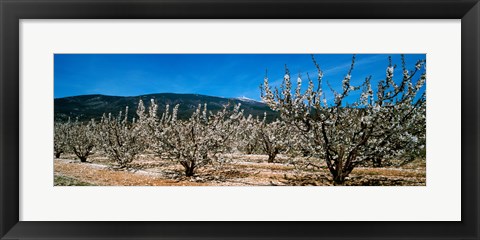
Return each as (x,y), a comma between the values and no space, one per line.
(239,170)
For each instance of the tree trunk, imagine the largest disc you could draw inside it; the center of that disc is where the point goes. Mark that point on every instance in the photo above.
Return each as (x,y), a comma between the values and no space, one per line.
(57,154)
(189,171)
(338,173)
(339,179)
(305,153)
(271,157)
(83,159)
(340,176)
(377,162)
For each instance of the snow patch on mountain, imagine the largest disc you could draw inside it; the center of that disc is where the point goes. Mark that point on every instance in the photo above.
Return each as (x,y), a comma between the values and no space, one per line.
(246,99)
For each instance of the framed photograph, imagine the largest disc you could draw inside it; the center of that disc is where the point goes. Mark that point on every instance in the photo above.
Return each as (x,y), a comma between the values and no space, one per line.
(239,119)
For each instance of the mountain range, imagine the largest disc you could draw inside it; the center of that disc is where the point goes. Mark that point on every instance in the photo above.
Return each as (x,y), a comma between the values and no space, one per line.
(86,107)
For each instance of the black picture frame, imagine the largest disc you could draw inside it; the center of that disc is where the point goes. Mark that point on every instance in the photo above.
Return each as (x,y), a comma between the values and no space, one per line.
(12,11)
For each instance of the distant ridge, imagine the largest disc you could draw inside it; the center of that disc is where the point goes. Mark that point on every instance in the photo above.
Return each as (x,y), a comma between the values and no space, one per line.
(86,107)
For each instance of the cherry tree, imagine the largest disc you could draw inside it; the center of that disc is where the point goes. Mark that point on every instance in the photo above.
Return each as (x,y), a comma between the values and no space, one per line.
(195,142)
(375,126)
(273,138)
(81,138)
(60,142)
(248,135)
(120,139)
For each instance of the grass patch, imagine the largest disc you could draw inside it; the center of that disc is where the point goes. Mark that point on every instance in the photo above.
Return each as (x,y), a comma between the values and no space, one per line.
(69,181)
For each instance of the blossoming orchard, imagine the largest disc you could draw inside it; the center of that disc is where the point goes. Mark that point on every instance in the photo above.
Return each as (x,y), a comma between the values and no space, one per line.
(325,133)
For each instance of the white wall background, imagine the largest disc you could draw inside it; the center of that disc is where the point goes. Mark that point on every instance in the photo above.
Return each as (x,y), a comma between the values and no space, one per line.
(438,201)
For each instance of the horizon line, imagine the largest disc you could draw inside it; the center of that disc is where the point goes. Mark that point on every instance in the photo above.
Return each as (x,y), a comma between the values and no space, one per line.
(107,95)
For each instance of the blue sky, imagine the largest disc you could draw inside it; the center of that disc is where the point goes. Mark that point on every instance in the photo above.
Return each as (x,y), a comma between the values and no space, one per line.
(223,75)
